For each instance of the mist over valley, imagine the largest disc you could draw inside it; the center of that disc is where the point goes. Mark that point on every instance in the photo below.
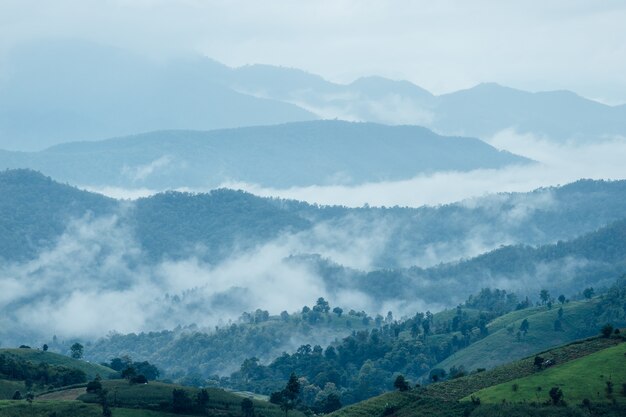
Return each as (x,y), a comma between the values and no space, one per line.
(301,209)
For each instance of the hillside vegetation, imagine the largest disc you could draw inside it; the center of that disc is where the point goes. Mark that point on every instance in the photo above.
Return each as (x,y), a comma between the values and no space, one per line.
(282,156)
(503,343)
(37,357)
(598,377)
(444,398)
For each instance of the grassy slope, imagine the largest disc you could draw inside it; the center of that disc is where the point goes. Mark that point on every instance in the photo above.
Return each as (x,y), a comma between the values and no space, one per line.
(441,398)
(131,401)
(122,394)
(70,408)
(8,388)
(39,356)
(457,389)
(501,347)
(581,378)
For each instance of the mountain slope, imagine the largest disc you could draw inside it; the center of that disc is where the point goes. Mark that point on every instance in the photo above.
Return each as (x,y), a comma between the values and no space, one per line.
(480,111)
(59,91)
(297,154)
(578,379)
(442,399)
(488,108)
(37,356)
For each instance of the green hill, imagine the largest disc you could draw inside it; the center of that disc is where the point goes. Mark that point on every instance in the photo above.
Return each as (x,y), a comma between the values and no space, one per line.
(579,320)
(587,377)
(37,356)
(281,156)
(452,398)
(157,396)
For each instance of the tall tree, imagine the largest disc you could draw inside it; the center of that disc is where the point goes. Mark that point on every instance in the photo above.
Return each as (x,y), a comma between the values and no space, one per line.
(76,350)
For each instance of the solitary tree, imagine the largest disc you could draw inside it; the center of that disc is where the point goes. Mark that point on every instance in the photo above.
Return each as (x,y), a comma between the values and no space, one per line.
(607,329)
(588,293)
(247,407)
(400,384)
(523,327)
(95,386)
(545,296)
(290,394)
(103,399)
(76,350)
(561,299)
(202,398)
(45,347)
(322,305)
(556,395)
(181,401)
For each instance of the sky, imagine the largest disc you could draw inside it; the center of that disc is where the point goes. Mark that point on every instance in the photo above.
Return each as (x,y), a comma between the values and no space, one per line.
(442,46)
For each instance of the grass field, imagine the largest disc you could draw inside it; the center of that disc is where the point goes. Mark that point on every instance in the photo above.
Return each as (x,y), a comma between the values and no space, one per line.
(138,400)
(63,394)
(457,389)
(47,408)
(443,399)
(154,394)
(502,346)
(71,409)
(39,356)
(8,388)
(585,377)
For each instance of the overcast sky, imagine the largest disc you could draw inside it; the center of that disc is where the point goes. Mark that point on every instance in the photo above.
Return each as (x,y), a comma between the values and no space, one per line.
(440,45)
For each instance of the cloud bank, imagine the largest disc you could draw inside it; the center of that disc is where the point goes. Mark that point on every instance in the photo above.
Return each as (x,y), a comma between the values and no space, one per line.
(557,165)
(442,46)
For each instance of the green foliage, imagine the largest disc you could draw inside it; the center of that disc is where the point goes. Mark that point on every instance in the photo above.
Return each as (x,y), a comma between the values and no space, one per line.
(606,330)
(76,351)
(577,379)
(160,397)
(247,407)
(16,368)
(401,384)
(48,359)
(580,319)
(256,335)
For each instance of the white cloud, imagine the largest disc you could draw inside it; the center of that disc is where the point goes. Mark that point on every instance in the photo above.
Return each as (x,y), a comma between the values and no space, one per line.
(559,164)
(141,172)
(443,46)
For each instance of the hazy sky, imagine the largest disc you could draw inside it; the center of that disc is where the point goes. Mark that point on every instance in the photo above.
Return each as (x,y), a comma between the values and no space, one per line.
(440,45)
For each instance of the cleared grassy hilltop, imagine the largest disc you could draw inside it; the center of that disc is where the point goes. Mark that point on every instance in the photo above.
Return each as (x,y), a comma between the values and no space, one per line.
(587,377)
(581,371)
(154,399)
(502,345)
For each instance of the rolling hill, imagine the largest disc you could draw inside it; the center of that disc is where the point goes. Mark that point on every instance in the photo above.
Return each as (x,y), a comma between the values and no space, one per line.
(457,397)
(37,356)
(578,379)
(35,212)
(155,399)
(282,156)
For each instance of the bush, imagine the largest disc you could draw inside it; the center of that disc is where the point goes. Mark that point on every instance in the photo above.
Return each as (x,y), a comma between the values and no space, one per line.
(138,379)
(556,395)
(607,329)
(94,386)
